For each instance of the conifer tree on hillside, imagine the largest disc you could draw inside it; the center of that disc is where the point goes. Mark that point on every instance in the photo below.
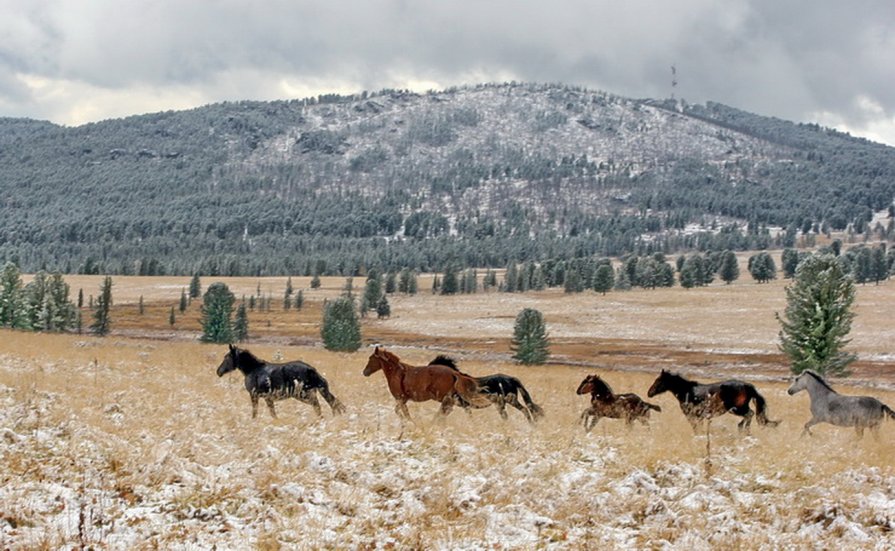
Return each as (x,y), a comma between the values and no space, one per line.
(195,286)
(729,270)
(818,317)
(604,278)
(241,324)
(762,267)
(341,330)
(530,343)
(315,282)
(383,308)
(216,314)
(12,300)
(183,301)
(102,322)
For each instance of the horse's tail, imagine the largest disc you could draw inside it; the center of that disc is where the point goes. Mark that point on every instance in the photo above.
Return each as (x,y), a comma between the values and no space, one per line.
(469,391)
(323,389)
(536,411)
(888,410)
(761,409)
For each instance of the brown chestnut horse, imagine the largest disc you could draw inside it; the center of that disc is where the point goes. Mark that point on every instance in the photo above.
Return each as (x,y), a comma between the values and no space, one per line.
(704,401)
(605,403)
(421,383)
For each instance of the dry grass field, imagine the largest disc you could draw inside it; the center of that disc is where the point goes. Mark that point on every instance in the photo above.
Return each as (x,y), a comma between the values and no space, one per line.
(131,441)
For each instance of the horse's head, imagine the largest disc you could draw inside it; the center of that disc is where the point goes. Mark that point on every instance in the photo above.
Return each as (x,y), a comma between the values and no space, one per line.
(593,384)
(586,385)
(799,383)
(661,384)
(230,361)
(374,364)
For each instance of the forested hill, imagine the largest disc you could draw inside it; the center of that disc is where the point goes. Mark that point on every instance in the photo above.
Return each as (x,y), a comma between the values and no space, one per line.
(474,176)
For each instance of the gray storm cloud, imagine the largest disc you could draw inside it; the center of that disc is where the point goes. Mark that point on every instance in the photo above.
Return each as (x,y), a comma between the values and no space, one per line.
(793,60)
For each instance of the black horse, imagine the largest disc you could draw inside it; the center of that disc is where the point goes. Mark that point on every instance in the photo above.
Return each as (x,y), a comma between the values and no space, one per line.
(279,381)
(704,401)
(501,390)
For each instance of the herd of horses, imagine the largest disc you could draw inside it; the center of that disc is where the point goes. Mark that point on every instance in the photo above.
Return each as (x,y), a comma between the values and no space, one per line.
(442,381)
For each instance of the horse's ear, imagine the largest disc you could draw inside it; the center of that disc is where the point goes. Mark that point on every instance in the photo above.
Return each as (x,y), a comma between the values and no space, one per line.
(232,348)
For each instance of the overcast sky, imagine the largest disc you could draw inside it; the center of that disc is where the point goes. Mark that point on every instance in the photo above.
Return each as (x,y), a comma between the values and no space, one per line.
(74,61)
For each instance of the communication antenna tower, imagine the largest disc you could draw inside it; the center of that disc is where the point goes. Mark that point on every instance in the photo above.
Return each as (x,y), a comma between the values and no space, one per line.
(673,80)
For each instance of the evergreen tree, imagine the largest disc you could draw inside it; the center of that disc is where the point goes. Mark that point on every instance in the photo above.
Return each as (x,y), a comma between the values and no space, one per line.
(690,273)
(604,278)
(790,261)
(572,283)
(216,313)
(315,282)
(449,284)
(195,286)
(404,281)
(538,280)
(413,285)
(818,317)
(530,343)
(140,308)
(80,298)
(729,271)
(183,303)
(762,267)
(511,278)
(372,292)
(341,329)
(383,308)
(879,268)
(299,299)
(241,324)
(287,295)
(171,319)
(390,283)
(622,283)
(12,299)
(102,322)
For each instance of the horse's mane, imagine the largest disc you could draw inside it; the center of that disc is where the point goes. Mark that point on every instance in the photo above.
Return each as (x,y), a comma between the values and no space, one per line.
(678,378)
(247,359)
(819,379)
(447,361)
(600,387)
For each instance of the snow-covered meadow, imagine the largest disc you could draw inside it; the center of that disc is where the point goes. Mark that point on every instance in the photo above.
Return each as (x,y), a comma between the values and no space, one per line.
(124,443)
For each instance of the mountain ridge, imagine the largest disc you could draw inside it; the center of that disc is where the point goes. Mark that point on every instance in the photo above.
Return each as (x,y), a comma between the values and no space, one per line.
(475,175)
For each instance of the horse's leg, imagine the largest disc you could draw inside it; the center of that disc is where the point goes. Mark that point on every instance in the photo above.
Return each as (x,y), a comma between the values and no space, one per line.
(514,401)
(310,397)
(747,420)
(401,409)
(811,422)
(447,404)
(874,431)
(502,407)
(333,402)
(254,398)
(270,406)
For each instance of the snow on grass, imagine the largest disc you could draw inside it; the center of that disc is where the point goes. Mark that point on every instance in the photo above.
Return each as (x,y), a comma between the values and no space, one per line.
(104,447)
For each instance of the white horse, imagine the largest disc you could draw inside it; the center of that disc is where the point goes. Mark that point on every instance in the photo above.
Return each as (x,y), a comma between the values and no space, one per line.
(828,406)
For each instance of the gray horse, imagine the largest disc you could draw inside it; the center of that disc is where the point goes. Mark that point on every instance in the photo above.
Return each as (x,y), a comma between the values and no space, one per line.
(828,406)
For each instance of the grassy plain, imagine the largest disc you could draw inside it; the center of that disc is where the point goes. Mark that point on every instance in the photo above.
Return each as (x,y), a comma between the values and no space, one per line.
(131,441)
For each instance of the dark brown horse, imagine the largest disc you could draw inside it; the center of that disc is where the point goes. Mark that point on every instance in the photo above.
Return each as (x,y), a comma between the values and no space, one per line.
(421,383)
(704,401)
(605,403)
(278,381)
(501,390)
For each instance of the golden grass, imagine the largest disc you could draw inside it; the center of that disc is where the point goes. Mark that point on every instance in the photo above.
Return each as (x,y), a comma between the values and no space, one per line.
(132,441)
